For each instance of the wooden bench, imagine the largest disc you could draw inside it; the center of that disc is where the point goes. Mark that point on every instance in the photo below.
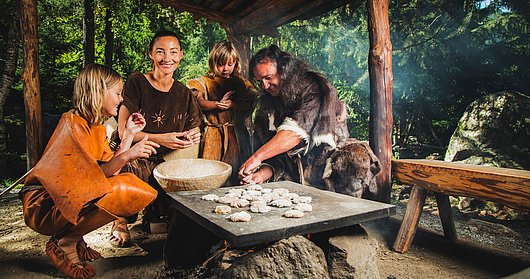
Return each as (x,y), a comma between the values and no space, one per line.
(506,186)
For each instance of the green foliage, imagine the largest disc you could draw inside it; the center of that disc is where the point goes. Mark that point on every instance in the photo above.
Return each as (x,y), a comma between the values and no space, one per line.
(446,54)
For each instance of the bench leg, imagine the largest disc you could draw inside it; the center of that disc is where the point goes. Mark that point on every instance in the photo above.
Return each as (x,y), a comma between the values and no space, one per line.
(446,216)
(410,220)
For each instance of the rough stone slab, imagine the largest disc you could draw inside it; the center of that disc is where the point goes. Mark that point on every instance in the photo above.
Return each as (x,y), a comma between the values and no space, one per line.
(291,258)
(330,211)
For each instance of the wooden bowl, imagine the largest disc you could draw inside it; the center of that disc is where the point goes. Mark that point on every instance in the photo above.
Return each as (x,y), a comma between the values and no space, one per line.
(192,174)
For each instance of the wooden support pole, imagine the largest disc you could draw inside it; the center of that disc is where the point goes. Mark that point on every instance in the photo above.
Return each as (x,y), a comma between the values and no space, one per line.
(380,69)
(242,44)
(30,76)
(410,219)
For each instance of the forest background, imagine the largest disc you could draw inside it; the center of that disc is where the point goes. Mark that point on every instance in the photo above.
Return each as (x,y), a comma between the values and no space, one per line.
(446,54)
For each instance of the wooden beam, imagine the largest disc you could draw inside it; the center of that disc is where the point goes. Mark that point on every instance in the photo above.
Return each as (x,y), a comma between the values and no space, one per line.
(207,4)
(242,44)
(380,69)
(234,6)
(506,186)
(308,9)
(259,16)
(30,76)
(191,7)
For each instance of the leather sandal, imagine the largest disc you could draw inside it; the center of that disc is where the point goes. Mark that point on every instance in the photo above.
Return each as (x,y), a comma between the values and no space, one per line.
(64,264)
(120,227)
(86,253)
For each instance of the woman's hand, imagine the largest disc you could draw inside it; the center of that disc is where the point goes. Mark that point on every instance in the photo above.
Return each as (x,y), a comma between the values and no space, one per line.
(193,135)
(142,149)
(135,123)
(178,140)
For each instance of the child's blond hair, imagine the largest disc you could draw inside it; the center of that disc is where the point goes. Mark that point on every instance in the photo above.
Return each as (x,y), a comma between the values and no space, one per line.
(90,88)
(221,53)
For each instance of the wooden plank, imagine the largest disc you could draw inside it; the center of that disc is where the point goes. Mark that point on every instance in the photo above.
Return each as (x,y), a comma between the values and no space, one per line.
(196,9)
(410,220)
(286,16)
(506,186)
(380,69)
(234,6)
(263,14)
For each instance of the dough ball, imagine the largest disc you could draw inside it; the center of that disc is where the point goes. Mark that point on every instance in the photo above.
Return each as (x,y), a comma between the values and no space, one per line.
(281,202)
(223,209)
(227,200)
(305,199)
(293,213)
(305,207)
(254,187)
(239,203)
(240,217)
(210,197)
(260,208)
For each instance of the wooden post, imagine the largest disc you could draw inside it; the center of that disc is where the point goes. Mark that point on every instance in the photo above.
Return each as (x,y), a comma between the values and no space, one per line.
(380,69)
(242,44)
(30,76)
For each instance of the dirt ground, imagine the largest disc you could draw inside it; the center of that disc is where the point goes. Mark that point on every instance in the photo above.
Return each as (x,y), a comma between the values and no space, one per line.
(485,249)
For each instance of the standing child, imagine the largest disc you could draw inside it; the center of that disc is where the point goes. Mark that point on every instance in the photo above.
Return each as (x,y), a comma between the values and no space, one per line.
(227,100)
(75,188)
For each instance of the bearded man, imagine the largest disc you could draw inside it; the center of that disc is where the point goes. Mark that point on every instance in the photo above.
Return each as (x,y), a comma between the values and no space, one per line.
(299,124)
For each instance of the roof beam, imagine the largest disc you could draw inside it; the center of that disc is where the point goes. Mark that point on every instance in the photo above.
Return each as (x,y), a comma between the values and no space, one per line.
(191,7)
(260,16)
(309,7)
(234,6)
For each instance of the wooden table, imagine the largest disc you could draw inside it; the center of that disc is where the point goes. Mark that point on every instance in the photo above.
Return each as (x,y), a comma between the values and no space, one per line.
(330,211)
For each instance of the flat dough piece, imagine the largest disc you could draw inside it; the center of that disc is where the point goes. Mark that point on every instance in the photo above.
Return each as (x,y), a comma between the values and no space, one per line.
(280,191)
(305,207)
(223,209)
(260,208)
(254,187)
(304,199)
(239,203)
(293,213)
(241,216)
(281,202)
(227,200)
(210,197)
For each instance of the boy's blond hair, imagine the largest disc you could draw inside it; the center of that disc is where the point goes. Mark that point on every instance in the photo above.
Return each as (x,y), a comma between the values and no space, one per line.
(221,53)
(90,88)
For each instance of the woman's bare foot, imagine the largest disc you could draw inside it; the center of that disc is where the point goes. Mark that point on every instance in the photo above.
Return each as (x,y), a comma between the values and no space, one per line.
(119,234)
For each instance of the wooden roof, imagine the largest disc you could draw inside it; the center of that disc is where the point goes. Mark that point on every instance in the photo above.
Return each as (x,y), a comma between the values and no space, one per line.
(259,17)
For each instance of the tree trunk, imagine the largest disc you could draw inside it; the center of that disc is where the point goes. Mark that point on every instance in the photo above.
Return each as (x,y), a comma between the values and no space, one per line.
(30,76)
(380,68)
(109,37)
(8,75)
(242,44)
(88,33)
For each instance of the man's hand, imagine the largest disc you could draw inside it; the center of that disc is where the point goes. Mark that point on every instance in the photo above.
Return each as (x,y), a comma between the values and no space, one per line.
(260,176)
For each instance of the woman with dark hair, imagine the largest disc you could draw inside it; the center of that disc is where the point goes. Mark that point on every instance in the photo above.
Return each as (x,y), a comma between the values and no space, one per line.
(172,115)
